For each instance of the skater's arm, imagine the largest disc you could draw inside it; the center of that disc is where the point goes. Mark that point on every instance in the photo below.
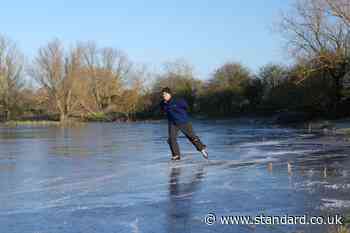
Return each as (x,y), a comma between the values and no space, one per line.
(161,108)
(157,109)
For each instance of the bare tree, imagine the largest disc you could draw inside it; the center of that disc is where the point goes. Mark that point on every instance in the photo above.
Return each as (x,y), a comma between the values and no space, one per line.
(177,75)
(309,30)
(128,101)
(106,70)
(318,39)
(11,76)
(341,9)
(57,72)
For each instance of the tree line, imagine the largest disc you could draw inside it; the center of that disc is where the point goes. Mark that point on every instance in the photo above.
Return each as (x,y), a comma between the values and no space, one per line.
(87,82)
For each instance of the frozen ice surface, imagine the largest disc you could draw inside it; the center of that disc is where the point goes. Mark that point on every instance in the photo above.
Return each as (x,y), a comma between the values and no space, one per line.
(119,178)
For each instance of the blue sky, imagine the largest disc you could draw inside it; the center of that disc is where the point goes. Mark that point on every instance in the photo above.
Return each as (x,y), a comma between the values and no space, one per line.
(205,33)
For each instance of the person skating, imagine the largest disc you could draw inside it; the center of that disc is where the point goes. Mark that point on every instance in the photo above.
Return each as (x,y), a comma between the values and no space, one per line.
(178,120)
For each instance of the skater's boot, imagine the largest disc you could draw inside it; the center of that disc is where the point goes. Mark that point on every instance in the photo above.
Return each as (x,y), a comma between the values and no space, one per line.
(175,157)
(205,153)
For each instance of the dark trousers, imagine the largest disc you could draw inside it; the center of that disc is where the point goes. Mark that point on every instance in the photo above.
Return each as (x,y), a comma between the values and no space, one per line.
(187,130)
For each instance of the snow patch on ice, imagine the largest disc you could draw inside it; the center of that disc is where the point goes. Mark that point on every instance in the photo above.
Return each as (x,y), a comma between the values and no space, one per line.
(335,203)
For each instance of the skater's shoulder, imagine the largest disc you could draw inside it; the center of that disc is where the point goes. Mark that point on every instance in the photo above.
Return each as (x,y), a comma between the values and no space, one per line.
(179,100)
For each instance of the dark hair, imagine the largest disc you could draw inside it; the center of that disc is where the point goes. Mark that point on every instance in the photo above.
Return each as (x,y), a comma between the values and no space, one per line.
(166,89)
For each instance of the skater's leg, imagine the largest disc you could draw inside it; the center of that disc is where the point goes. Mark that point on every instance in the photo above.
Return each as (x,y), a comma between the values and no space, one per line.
(190,134)
(172,140)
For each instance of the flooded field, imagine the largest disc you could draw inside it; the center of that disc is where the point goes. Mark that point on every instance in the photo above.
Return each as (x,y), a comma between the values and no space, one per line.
(118,178)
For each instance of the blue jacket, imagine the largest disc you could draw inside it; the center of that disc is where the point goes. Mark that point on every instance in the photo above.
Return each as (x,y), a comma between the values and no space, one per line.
(176,110)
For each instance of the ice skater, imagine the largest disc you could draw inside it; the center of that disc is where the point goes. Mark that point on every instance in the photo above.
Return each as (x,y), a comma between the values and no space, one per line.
(176,111)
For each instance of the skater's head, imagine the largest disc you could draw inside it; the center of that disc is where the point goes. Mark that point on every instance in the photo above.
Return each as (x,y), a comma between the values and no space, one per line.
(166,93)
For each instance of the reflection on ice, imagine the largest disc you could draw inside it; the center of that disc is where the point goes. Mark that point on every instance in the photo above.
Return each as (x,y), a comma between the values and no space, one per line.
(181,195)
